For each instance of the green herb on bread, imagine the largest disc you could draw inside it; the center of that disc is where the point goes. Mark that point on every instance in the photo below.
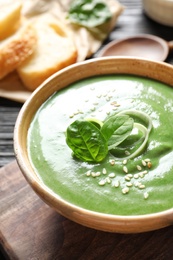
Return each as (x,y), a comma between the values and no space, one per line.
(89,13)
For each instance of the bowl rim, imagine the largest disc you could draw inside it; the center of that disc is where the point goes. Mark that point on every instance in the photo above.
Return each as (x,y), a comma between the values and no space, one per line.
(113,223)
(162,14)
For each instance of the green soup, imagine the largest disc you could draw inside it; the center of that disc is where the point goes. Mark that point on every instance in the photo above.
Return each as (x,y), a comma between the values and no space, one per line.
(149,184)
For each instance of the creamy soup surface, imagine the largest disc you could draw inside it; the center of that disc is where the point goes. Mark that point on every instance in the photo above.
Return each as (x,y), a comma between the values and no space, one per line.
(148,178)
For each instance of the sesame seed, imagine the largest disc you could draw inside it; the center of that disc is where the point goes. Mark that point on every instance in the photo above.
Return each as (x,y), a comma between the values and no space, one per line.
(71,116)
(111,175)
(136,175)
(149,165)
(97,174)
(129,184)
(117,105)
(125,169)
(116,184)
(146,195)
(130,175)
(139,168)
(144,163)
(108,112)
(125,161)
(113,103)
(108,180)
(88,173)
(93,174)
(142,186)
(112,162)
(141,174)
(125,190)
(127,152)
(102,182)
(104,171)
(127,178)
(76,113)
(79,111)
(147,160)
(92,108)
(137,184)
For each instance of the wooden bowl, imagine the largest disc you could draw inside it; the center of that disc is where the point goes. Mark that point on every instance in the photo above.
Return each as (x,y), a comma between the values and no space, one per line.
(99,66)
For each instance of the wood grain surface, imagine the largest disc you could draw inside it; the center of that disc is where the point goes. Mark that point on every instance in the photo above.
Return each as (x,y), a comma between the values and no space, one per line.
(32,230)
(29,229)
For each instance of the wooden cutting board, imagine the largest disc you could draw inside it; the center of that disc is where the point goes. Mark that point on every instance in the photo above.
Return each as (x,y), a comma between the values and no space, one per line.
(29,229)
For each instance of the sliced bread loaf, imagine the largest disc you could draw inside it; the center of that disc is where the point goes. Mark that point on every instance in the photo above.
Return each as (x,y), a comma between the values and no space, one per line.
(54,50)
(10,14)
(16,48)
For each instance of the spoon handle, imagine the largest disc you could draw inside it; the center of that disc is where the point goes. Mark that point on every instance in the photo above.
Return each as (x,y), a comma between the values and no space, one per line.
(170,45)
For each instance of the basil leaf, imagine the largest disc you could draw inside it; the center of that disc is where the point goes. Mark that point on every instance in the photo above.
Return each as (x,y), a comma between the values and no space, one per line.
(86,141)
(116,129)
(138,145)
(132,143)
(95,122)
(135,139)
(89,13)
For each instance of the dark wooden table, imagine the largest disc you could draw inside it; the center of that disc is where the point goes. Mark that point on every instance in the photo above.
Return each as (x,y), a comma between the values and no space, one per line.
(31,230)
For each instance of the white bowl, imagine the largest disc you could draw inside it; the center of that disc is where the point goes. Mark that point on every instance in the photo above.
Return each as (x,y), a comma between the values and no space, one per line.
(160,11)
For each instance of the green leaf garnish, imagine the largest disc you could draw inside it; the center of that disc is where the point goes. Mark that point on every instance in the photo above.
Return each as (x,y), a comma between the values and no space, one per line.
(91,139)
(95,122)
(145,128)
(116,129)
(86,141)
(89,13)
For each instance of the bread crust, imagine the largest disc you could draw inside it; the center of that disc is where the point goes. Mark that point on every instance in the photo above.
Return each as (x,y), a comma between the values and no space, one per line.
(10,17)
(16,48)
(32,80)
(57,45)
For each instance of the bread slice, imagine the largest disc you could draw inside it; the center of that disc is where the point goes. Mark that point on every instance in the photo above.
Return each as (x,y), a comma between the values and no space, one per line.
(10,14)
(16,48)
(54,50)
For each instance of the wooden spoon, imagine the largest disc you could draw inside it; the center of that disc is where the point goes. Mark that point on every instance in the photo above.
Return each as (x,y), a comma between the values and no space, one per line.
(144,45)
